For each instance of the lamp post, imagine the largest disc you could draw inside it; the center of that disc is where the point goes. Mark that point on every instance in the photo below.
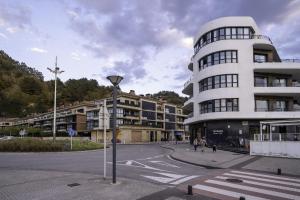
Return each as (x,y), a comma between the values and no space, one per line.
(55,71)
(115,80)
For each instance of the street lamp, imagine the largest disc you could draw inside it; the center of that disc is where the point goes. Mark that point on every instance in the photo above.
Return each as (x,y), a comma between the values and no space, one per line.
(115,80)
(55,71)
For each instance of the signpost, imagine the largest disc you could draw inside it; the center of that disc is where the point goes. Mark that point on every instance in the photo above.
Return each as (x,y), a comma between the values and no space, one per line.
(71,133)
(104,124)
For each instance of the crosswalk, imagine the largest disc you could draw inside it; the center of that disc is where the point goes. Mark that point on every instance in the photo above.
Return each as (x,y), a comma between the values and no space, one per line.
(250,185)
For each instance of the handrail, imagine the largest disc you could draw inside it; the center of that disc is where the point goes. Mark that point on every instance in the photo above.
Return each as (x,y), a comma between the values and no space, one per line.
(261,37)
(291,60)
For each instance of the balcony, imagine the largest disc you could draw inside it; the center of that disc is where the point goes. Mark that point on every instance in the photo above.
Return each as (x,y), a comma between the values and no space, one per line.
(188,87)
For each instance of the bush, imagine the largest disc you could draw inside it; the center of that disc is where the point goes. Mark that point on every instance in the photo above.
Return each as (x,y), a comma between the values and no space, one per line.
(39,145)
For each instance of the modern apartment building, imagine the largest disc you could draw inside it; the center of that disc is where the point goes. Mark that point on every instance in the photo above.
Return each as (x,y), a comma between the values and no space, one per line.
(139,119)
(72,116)
(238,79)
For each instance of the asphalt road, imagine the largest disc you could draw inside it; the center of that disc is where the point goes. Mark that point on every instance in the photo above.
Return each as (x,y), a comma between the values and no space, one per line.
(139,162)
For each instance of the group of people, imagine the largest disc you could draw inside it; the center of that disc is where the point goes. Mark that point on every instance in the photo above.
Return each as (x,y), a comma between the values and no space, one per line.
(202,143)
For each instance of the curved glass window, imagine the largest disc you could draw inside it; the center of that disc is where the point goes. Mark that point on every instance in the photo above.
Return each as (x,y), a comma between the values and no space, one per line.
(219,81)
(219,105)
(225,33)
(220,57)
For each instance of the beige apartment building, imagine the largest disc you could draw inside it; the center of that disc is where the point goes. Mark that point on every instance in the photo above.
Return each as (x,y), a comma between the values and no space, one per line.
(139,119)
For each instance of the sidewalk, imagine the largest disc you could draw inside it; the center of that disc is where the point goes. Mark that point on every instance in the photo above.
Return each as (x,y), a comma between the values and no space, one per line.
(225,159)
(50,185)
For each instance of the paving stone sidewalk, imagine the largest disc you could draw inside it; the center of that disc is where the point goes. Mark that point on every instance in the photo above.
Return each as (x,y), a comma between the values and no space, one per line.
(226,159)
(50,185)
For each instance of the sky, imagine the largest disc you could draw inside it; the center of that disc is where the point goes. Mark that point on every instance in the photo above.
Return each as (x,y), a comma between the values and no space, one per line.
(149,43)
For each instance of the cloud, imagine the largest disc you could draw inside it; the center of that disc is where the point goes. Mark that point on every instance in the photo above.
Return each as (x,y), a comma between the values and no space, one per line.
(75,56)
(116,31)
(3,35)
(14,17)
(38,50)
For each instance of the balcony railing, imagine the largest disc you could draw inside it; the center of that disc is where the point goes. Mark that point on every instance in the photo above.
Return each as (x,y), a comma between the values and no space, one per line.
(292,60)
(261,37)
(187,82)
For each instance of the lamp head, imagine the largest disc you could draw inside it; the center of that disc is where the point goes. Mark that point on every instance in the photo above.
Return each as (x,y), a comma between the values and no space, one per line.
(115,80)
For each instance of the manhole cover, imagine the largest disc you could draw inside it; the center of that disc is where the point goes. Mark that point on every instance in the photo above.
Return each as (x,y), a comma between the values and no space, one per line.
(73,184)
(234,180)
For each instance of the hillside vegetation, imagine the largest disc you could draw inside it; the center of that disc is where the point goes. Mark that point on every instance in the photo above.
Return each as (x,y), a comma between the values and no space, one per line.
(23,90)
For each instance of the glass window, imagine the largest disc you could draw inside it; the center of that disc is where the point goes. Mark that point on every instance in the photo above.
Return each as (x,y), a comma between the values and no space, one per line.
(222,57)
(223,81)
(217,81)
(228,33)
(201,42)
(208,37)
(217,105)
(215,35)
(216,58)
(222,34)
(235,105)
(260,58)
(228,56)
(239,33)
(209,60)
(229,103)
(229,80)
(204,62)
(233,33)
(234,56)
(279,82)
(209,83)
(280,106)
(260,81)
(261,105)
(246,33)
(223,105)
(235,80)
(210,106)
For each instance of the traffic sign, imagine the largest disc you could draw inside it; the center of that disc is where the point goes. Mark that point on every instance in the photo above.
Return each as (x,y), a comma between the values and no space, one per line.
(71,132)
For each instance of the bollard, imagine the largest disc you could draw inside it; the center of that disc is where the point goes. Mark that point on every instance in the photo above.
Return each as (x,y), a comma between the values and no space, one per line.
(190,190)
(278,171)
(242,198)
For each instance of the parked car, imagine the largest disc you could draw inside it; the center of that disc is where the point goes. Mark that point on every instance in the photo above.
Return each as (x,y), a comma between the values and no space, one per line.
(7,138)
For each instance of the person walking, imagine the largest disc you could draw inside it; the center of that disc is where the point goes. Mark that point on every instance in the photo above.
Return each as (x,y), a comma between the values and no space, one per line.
(195,143)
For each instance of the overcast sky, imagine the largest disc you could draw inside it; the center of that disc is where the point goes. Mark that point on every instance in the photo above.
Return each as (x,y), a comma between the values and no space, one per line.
(148,42)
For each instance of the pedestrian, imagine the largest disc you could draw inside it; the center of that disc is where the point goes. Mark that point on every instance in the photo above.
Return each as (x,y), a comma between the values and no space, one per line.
(214,148)
(202,145)
(195,143)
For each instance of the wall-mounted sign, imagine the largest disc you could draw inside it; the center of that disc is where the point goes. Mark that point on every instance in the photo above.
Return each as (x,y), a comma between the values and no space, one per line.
(245,123)
(218,132)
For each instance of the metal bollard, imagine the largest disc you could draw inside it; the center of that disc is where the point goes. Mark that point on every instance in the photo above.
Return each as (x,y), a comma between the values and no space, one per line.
(190,190)
(242,198)
(278,171)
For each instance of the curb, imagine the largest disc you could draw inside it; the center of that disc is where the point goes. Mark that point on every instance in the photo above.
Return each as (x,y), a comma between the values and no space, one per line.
(184,161)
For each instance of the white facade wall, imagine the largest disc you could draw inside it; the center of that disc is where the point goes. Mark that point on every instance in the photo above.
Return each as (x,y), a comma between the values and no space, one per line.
(245,68)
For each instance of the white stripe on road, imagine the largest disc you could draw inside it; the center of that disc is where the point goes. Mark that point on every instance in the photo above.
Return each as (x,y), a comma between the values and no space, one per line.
(262,179)
(227,192)
(253,189)
(184,180)
(267,176)
(264,184)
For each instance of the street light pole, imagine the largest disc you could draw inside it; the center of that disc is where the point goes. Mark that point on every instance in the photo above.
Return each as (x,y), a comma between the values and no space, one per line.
(55,71)
(115,80)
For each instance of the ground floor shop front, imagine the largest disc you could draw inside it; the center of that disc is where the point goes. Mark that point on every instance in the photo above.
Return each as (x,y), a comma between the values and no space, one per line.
(237,133)
(131,135)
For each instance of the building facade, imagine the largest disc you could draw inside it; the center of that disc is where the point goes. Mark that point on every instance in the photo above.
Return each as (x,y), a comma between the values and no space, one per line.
(67,117)
(238,79)
(139,119)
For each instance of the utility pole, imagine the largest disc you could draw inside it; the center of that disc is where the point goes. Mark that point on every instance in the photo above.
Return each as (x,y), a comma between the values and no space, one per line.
(55,71)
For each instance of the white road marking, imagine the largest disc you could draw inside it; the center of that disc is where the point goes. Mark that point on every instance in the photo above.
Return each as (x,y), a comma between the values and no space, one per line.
(163,163)
(133,163)
(264,184)
(171,177)
(267,176)
(254,189)
(227,193)
(184,180)
(262,179)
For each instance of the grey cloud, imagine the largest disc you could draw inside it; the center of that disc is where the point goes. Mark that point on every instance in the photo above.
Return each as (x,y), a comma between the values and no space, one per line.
(15,16)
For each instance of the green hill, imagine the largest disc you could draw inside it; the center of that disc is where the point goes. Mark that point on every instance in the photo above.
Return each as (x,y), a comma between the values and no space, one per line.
(23,90)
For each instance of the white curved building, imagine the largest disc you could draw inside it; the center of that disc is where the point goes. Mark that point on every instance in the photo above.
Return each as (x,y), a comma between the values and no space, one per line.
(238,80)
